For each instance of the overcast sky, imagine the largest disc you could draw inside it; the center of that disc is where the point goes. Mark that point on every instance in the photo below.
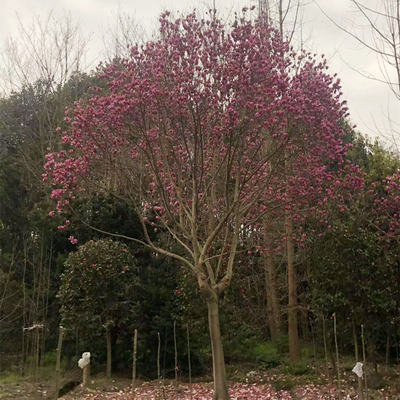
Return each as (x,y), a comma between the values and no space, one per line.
(368,100)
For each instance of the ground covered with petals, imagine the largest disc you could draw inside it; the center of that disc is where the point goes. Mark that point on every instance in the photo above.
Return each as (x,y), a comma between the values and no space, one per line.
(238,391)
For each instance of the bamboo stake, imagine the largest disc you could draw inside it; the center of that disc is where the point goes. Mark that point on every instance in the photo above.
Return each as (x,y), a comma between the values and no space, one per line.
(188,343)
(60,338)
(326,354)
(365,361)
(134,363)
(165,351)
(23,352)
(176,354)
(37,350)
(359,380)
(158,356)
(337,354)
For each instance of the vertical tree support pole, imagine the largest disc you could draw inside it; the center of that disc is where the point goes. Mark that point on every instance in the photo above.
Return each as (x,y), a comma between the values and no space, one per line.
(188,348)
(176,354)
(37,350)
(326,355)
(23,352)
(86,376)
(134,364)
(365,361)
(84,363)
(360,388)
(60,339)
(337,354)
(158,356)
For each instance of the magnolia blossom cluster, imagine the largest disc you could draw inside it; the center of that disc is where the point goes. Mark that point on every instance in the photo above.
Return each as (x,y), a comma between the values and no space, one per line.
(207,125)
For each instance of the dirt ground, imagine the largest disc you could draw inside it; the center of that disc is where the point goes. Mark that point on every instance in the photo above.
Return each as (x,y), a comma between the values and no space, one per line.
(250,385)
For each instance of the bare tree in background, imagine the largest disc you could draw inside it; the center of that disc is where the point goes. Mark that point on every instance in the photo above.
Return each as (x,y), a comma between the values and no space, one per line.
(286,16)
(120,36)
(51,50)
(378,30)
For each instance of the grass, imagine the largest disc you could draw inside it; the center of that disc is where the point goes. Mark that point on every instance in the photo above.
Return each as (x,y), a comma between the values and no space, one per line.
(10,378)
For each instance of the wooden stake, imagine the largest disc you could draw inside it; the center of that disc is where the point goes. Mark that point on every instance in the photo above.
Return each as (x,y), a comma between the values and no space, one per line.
(37,349)
(176,354)
(58,365)
(158,356)
(326,355)
(365,361)
(359,380)
(165,351)
(86,376)
(134,363)
(188,344)
(337,354)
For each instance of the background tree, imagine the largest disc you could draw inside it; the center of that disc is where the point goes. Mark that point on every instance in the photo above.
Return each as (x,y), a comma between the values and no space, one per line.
(378,32)
(98,289)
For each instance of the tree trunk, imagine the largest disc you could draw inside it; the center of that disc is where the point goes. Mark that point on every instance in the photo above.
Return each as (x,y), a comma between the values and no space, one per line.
(294,352)
(60,338)
(387,358)
(305,325)
(220,385)
(108,337)
(271,285)
(356,351)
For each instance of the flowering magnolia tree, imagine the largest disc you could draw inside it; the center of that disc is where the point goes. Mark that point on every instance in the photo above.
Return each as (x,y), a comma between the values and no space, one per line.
(199,131)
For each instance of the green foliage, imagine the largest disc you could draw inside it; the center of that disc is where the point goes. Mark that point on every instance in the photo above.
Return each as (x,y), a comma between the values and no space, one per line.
(299,368)
(98,286)
(267,355)
(50,359)
(282,344)
(10,378)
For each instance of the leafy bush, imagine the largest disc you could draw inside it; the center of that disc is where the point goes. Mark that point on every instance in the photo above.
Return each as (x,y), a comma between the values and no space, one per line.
(50,359)
(300,368)
(307,352)
(282,344)
(267,355)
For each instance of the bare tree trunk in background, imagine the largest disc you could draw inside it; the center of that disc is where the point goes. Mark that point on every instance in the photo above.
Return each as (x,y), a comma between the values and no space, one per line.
(304,324)
(294,351)
(109,355)
(271,285)
(273,312)
(388,344)
(58,365)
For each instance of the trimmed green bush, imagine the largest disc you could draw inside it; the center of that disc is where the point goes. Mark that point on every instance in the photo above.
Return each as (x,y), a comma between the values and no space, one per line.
(267,355)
